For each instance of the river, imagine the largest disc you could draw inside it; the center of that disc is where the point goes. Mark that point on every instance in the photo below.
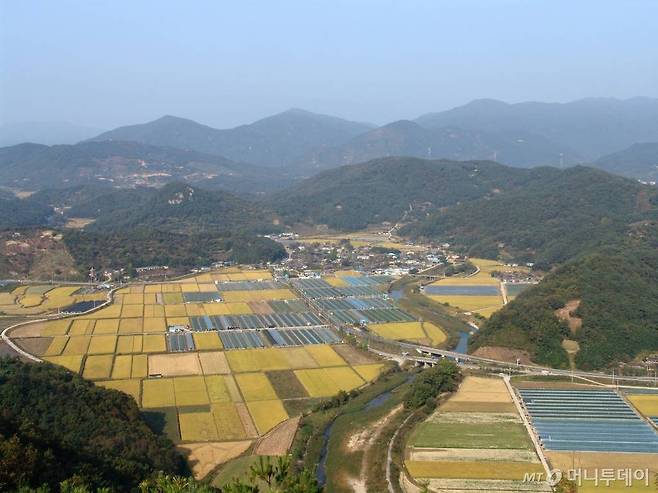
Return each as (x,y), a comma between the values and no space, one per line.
(374,403)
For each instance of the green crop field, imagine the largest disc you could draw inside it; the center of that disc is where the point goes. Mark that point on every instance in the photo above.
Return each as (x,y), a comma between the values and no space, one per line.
(471,435)
(286,384)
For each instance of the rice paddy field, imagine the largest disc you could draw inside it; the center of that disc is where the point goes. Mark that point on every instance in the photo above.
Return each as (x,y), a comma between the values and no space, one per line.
(40,299)
(479,293)
(419,332)
(474,441)
(351,298)
(186,377)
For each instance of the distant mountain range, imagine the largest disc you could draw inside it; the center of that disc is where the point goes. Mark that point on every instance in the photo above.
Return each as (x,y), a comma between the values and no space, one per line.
(48,133)
(637,161)
(271,153)
(127,164)
(276,141)
(522,134)
(588,128)
(407,138)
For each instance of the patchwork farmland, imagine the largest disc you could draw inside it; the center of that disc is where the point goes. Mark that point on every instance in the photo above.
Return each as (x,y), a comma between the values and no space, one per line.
(479,293)
(589,430)
(221,357)
(348,298)
(40,299)
(474,441)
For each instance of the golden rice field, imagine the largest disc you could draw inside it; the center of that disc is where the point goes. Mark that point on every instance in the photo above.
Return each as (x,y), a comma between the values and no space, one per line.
(646,404)
(360,239)
(44,298)
(484,305)
(422,332)
(335,281)
(207,341)
(325,382)
(472,470)
(255,387)
(267,414)
(368,372)
(260,295)
(227,274)
(209,394)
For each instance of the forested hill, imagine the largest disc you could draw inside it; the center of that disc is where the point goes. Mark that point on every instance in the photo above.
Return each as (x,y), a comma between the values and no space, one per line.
(590,127)
(56,426)
(637,161)
(549,220)
(178,225)
(128,164)
(275,141)
(19,213)
(351,197)
(617,291)
(407,138)
(177,208)
(597,236)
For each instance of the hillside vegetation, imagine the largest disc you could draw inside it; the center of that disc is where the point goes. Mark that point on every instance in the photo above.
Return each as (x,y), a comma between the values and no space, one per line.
(275,141)
(585,129)
(550,220)
(128,164)
(618,293)
(637,161)
(140,247)
(596,235)
(352,197)
(407,138)
(20,213)
(55,426)
(177,208)
(177,225)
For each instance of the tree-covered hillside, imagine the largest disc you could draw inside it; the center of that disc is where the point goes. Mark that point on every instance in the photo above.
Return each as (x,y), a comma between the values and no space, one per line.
(55,426)
(126,165)
(276,141)
(19,213)
(637,161)
(179,208)
(352,197)
(138,247)
(618,292)
(589,128)
(178,225)
(407,138)
(548,221)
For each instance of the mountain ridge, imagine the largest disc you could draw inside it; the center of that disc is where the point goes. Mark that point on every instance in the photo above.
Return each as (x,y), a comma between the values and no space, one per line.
(127,164)
(273,141)
(591,127)
(639,161)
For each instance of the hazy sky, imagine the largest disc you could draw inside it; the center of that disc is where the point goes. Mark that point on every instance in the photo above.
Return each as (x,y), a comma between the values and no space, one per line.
(224,63)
